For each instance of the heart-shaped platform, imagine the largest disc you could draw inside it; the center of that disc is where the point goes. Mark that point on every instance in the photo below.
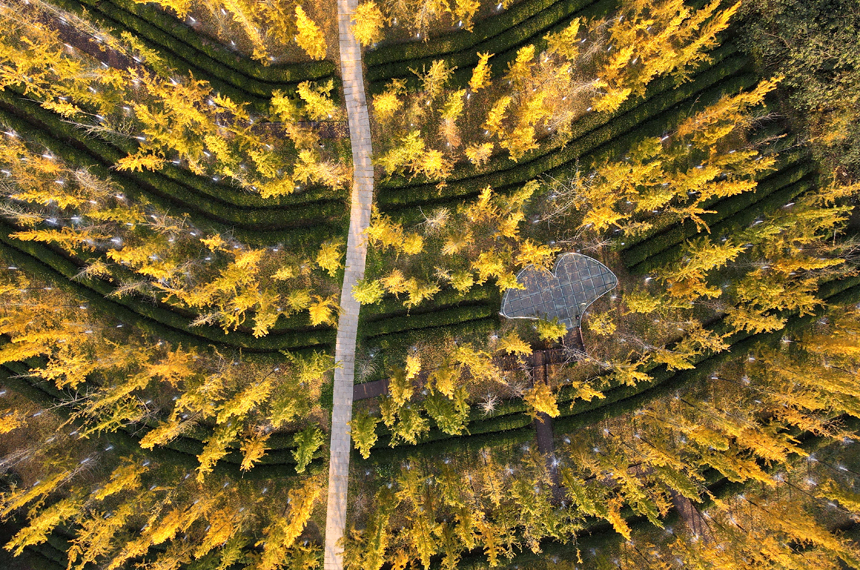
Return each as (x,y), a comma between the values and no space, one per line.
(575,283)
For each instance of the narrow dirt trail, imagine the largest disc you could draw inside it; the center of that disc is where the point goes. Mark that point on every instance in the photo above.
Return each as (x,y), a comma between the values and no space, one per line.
(359,220)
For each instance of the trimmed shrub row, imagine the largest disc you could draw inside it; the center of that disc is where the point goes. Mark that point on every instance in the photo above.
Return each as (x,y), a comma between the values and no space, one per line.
(441,447)
(496,35)
(307,223)
(398,342)
(155,320)
(460,40)
(110,153)
(182,451)
(440,317)
(392,306)
(279,449)
(229,73)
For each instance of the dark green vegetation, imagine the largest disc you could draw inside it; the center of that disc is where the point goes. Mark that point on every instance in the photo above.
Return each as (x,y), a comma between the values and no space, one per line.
(816,47)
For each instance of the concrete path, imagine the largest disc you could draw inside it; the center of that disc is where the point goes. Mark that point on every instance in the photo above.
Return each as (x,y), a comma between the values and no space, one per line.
(359,219)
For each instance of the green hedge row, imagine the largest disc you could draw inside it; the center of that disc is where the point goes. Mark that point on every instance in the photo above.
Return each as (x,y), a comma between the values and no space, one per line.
(274,456)
(155,320)
(459,40)
(392,306)
(514,416)
(189,446)
(736,212)
(397,343)
(312,222)
(503,35)
(439,315)
(229,73)
(441,447)
(654,115)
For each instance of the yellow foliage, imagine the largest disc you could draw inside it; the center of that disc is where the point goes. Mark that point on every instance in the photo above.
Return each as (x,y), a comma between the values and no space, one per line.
(444,380)
(367,23)
(497,115)
(519,141)
(400,388)
(180,7)
(511,343)
(12,420)
(283,531)
(253,448)
(317,98)
(394,282)
(565,43)
(462,281)
(628,373)
(479,153)
(518,70)
(481,73)
(329,257)
(551,330)
(140,162)
(433,80)
(163,433)
(453,105)
(542,400)
(387,103)
(602,324)
(413,365)
(323,310)
(41,525)
(309,37)
(284,107)
(245,400)
(412,244)
(368,292)
(124,477)
(418,291)
(538,255)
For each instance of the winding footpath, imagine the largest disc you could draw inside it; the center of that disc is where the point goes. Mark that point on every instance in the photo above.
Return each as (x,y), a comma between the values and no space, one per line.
(356,252)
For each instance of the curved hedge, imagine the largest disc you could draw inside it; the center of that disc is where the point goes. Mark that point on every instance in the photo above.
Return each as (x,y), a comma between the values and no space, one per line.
(512,424)
(740,211)
(177,452)
(584,125)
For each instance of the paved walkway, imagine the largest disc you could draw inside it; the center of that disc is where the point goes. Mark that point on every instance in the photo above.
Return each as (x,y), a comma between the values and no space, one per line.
(359,219)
